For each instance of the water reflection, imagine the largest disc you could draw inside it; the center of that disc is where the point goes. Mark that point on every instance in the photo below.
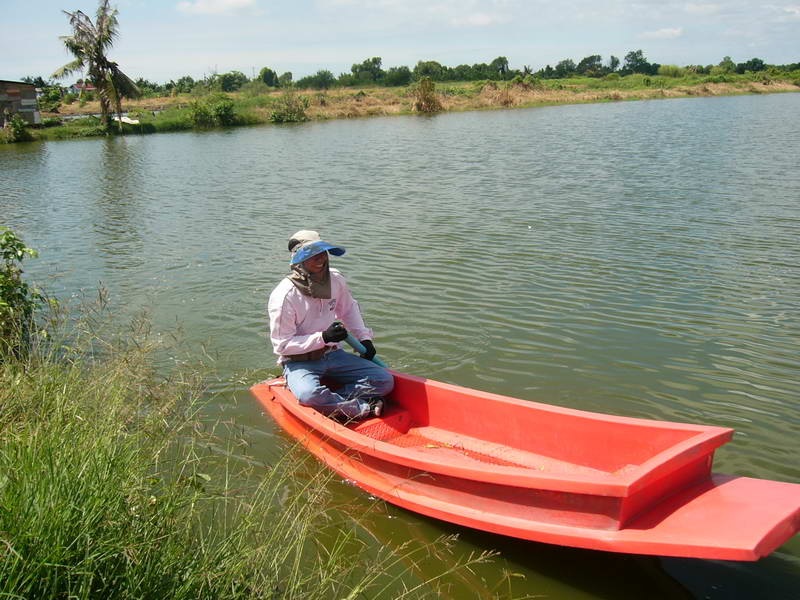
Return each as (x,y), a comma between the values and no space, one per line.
(117,201)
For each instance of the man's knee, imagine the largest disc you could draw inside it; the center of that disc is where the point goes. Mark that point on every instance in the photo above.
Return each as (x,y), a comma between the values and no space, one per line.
(384,383)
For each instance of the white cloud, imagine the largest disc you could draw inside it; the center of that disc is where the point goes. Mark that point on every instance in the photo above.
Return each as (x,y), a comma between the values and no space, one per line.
(667,33)
(792,12)
(215,7)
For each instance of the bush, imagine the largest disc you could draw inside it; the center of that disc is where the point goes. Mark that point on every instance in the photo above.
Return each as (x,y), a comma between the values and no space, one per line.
(18,301)
(50,100)
(425,99)
(255,88)
(671,71)
(291,108)
(214,110)
(16,130)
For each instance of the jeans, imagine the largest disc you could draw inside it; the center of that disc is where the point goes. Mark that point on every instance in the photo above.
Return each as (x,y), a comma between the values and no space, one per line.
(358,380)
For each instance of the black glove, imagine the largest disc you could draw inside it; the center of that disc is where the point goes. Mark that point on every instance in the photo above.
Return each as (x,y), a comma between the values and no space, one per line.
(370,347)
(334,333)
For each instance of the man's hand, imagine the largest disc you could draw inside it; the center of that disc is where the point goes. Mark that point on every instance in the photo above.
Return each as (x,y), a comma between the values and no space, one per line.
(334,333)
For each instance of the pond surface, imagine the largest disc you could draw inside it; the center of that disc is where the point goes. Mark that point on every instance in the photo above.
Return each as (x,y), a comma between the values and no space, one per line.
(638,259)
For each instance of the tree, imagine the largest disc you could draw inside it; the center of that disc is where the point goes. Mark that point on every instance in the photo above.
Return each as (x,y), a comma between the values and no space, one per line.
(148,88)
(322,80)
(285,79)
(230,81)
(613,63)
(89,44)
(398,76)
(499,66)
(184,85)
(428,68)
(726,65)
(591,66)
(565,68)
(38,81)
(268,76)
(754,65)
(369,70)
(547,73)
(635,62)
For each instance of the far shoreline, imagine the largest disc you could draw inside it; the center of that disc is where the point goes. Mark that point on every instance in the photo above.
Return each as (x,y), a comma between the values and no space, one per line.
(349,103)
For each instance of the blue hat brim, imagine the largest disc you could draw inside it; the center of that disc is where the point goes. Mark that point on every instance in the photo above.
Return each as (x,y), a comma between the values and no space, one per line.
(310,250)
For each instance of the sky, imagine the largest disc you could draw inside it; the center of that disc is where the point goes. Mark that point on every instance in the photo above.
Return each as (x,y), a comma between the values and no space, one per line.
(162,41)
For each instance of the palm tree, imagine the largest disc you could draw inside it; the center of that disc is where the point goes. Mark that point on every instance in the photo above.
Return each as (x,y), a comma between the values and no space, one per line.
(89,44)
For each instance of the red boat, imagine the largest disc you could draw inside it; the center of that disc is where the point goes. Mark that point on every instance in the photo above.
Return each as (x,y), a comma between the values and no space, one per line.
(548,474)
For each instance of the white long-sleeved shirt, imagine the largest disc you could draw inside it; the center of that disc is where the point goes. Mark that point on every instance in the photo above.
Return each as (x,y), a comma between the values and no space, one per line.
(296,321)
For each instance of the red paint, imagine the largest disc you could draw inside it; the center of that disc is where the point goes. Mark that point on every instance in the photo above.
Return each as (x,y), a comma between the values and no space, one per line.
(548,474)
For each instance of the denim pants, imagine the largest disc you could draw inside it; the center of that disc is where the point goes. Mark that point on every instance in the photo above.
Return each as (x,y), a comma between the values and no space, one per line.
(354,379)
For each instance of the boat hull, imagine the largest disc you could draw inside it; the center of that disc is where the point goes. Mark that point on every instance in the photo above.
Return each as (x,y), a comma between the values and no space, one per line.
(409,459)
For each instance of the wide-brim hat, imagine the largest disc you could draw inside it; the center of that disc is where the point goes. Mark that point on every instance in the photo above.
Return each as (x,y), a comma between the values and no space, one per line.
(310,249)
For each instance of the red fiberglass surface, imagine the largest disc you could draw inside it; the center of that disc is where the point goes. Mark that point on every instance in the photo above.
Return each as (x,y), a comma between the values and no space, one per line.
(547,473)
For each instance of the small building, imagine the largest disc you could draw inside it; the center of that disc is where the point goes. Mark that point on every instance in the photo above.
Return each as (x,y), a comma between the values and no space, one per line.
(20,98)
(80,88)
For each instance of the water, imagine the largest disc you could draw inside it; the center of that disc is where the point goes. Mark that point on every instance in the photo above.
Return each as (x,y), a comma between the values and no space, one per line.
(634,258)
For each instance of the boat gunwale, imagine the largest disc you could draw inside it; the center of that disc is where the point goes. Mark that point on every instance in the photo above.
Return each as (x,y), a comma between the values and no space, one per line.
(705,440)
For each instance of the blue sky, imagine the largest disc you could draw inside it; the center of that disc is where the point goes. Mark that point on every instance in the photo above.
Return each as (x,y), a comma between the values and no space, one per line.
(166,40)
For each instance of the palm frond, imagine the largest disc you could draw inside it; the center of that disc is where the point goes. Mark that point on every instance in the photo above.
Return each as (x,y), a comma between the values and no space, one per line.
(68,69)
(106,24)
(125,86)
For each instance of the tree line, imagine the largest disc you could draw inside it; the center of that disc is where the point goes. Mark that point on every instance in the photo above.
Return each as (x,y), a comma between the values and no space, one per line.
(371,72)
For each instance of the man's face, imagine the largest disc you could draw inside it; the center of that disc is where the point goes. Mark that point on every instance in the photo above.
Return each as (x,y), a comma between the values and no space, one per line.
(317,263)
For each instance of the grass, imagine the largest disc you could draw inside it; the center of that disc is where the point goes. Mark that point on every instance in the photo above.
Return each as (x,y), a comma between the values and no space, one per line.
(257,104)
(112,486)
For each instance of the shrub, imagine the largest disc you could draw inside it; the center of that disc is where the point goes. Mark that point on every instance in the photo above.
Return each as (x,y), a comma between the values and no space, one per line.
(50,100)
(16,129)
(425,100)
(533,82)
(18,301)
(214,110)
(671,71)
(291,108)
(255,88)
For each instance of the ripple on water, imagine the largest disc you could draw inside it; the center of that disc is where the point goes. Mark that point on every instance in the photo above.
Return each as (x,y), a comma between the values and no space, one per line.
(576,255)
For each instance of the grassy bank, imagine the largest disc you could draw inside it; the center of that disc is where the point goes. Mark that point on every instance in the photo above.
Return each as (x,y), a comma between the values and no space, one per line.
(260,105)
(112,486)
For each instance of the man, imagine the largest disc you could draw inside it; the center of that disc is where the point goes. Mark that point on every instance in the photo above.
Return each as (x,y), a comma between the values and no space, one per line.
(311,311)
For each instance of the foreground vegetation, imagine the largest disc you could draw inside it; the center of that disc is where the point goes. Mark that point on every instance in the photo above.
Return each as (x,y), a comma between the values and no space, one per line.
(113,486)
